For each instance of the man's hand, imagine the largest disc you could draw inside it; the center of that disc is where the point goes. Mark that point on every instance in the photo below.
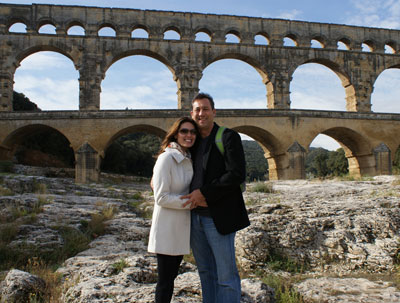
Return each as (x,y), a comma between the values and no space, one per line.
(195,198)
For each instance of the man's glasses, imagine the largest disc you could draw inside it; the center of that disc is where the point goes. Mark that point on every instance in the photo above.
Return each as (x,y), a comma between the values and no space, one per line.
(185,131)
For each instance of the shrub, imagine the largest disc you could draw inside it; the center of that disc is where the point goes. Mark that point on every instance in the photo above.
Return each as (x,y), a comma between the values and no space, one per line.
(6,166)
(262,187)
(119,266)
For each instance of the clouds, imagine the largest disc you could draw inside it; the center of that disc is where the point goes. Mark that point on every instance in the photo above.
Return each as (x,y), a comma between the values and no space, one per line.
(49,94)
(375,13)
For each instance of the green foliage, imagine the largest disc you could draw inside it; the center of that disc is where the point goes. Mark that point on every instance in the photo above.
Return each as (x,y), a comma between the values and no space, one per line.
(119,266)
(6,166)
(132,154)
(284,292)
(262,187)
(256,164)
(277,261)
(322,163)
(22,103)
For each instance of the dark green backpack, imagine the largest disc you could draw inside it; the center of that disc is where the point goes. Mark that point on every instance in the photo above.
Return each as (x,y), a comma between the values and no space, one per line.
(220,146)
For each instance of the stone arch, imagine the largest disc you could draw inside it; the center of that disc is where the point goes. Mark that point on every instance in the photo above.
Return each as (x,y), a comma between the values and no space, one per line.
(61,49)
(270,145)
(250,61)
(233,31)
(45,21)
(370,43)
(146,164)
(336,68)
(345,40)
(238,56)
(171,83)
(108,25)
(263,34)
(357,149)
(321,39)
(74,22)
(392,47)
(14,20)
(292,36)
(140,27)
(142,52)
(15,138)
(204,30)
(72,76)
(172,28)
(138,128)
(378,89)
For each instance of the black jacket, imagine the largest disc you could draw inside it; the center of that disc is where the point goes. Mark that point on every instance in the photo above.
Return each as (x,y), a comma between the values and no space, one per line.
(223,175)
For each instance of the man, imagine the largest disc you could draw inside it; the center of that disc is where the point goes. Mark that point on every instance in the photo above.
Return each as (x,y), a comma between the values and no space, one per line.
(217,204)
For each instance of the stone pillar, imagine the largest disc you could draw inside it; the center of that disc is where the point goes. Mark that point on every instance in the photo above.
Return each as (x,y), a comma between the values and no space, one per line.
(297,156)
(87,167)
(218,37)
(90,84)
(278,93)
(247,38)
(383,160)
(6,91)
(188,79)
(358,93)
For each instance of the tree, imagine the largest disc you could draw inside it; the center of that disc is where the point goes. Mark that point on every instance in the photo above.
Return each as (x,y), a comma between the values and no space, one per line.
(256,164)
(22,103)
(337,163)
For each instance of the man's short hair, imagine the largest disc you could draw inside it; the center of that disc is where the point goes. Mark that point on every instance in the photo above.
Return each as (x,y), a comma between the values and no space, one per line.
(204,96)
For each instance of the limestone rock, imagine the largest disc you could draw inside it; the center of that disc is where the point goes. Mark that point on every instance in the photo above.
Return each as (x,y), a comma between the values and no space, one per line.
(20,286)
(347,290)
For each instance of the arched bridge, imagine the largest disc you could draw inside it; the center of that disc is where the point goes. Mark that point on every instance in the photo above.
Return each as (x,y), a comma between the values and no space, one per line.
(369,139)
(285,135)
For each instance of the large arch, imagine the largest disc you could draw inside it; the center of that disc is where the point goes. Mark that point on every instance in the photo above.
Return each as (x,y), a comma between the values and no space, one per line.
(323,69)
(385,96)
(236,68)
(357,149)
(48,134)
(151,85)
(125,154)
(47,77)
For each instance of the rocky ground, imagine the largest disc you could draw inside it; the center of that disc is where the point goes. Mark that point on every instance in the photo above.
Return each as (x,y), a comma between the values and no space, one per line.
(338,240)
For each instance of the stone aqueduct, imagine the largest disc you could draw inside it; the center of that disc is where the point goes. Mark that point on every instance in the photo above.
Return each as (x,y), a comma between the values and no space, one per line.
(369,139)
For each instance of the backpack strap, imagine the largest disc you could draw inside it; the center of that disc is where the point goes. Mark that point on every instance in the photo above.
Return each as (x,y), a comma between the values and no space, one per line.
(220,146)
(218,139)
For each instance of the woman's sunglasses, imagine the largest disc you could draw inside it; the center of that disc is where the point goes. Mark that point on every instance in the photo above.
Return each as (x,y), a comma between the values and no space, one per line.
(185,131)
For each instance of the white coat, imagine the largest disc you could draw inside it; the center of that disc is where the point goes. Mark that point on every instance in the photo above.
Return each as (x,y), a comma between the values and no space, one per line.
(170,227)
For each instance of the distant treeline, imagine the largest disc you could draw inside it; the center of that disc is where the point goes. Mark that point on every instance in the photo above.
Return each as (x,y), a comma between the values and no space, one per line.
(134,154)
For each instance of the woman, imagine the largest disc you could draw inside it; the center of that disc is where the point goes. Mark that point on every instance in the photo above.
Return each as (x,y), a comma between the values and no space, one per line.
(170,228)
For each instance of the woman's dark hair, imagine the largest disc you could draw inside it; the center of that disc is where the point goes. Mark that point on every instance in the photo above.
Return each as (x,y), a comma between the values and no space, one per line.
(173,131)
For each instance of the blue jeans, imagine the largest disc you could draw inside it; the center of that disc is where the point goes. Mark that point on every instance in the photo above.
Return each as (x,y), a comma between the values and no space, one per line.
(215,258)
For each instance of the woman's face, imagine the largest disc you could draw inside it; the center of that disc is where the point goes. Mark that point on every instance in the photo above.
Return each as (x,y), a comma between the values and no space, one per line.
(186,135)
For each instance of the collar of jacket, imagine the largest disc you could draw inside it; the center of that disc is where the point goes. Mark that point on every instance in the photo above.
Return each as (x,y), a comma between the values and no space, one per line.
(176,154)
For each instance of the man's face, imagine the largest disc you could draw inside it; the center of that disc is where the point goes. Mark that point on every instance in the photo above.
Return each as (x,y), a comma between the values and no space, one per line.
(203,114)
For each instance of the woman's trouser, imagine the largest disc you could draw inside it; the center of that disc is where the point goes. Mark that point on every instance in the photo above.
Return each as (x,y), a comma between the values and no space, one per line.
(168,267)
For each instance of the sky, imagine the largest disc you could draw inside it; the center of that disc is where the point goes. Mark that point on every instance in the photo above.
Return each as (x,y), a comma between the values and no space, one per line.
(138,82)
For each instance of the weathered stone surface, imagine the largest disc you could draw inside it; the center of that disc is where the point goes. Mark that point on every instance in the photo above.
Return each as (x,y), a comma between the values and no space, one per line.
(339,228)
(20,286)
(348,290)
(330,226)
